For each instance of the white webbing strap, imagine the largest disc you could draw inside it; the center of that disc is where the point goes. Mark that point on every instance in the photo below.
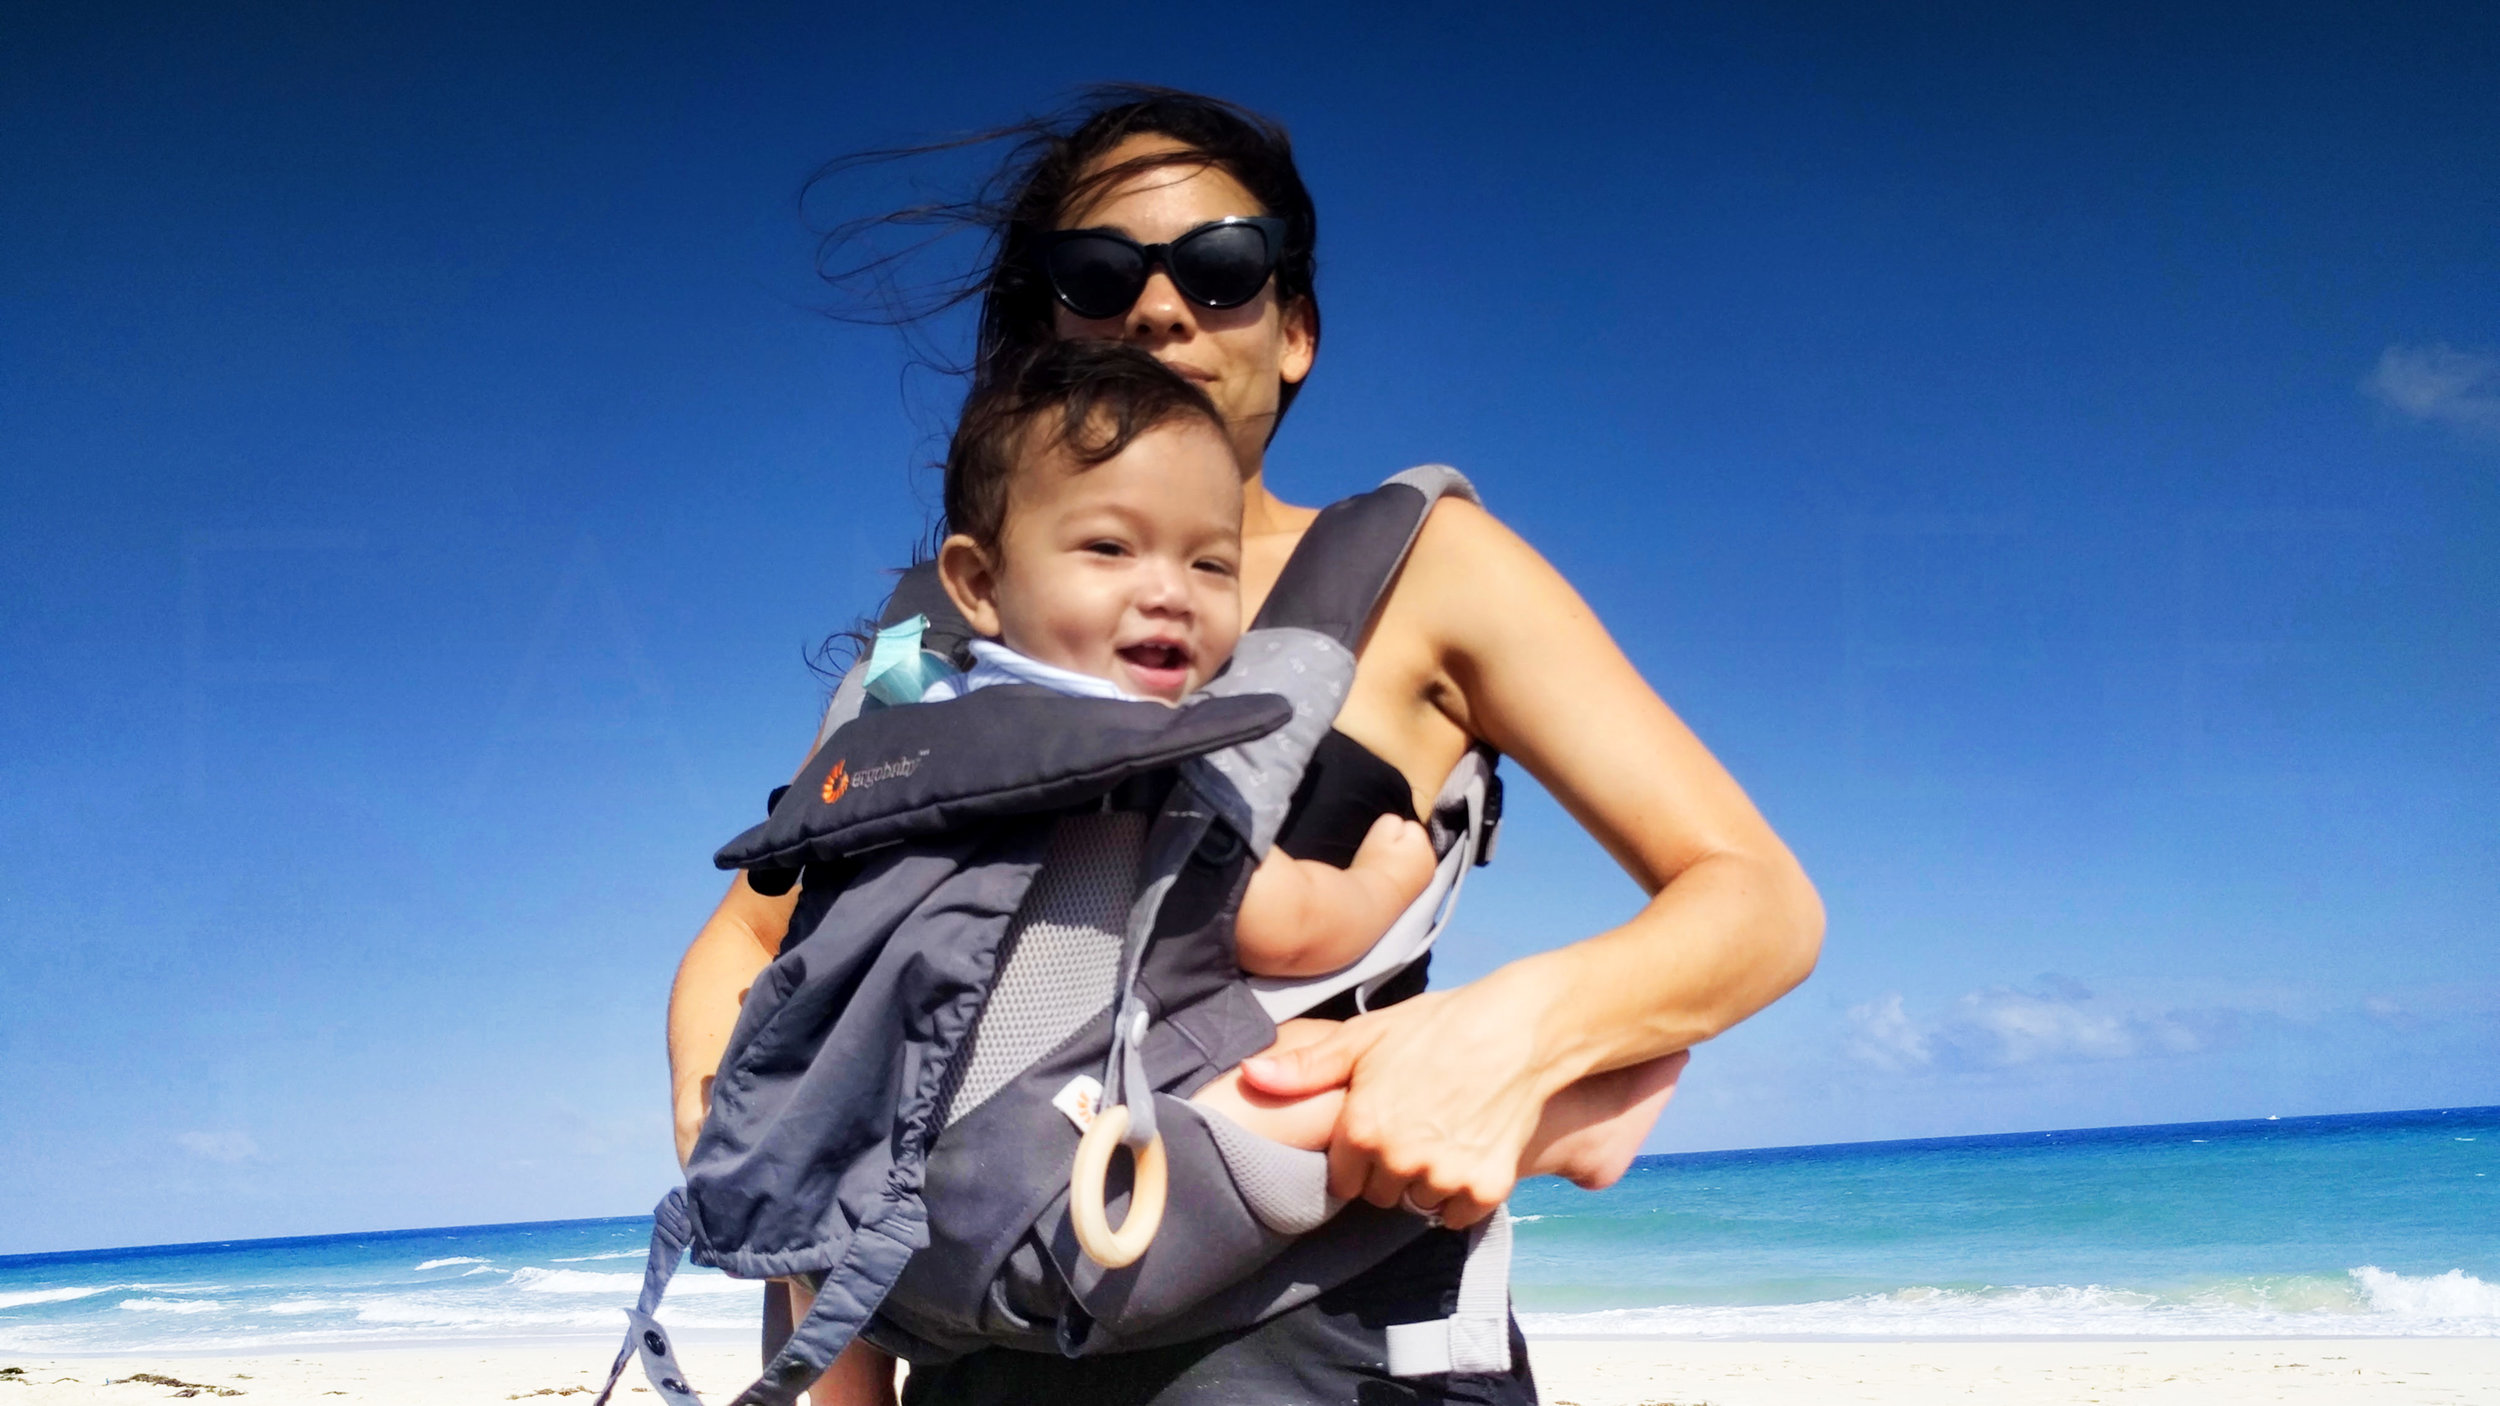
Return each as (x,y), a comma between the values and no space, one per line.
(659,1361)
(1477,1337)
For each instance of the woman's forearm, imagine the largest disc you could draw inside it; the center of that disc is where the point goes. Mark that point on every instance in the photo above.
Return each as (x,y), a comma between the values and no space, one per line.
(1731,934)
(739,940)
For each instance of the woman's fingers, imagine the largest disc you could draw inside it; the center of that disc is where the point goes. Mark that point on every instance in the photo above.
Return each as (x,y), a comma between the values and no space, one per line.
(1349,1169)
(1323,1064)
(1462,1210)
(1384,1188)
(1439,1103)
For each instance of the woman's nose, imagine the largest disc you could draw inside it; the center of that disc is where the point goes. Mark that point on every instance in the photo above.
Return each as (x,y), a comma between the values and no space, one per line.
(1160,311)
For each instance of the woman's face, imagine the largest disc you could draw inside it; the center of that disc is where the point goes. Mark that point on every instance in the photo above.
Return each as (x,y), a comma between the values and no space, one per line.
(1241,357)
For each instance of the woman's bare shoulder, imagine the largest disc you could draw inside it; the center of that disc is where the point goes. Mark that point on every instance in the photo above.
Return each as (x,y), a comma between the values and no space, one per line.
(1481,591)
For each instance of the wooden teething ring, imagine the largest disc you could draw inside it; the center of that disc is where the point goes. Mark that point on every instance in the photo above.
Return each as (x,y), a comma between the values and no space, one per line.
(1114,1249)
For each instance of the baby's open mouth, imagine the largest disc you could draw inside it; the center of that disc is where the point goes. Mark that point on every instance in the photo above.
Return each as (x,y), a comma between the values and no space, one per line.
(1157,667)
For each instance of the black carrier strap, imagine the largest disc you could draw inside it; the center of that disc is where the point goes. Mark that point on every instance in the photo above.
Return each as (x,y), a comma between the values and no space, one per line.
(1353,550)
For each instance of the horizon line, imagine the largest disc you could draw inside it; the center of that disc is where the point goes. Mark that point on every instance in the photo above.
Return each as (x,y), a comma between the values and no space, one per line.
(13,1261)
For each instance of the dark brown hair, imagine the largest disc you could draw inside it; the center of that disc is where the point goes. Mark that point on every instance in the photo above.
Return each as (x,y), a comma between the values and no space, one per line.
(1091,398)
(1042,178)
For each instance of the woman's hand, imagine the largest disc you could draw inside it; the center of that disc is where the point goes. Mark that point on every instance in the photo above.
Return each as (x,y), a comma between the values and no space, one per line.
(1443,1093)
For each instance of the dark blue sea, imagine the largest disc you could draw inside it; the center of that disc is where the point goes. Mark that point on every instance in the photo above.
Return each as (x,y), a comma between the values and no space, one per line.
(2368,1224)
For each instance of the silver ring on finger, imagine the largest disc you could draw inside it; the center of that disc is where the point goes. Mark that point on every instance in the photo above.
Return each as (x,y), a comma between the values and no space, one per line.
(1431,1214)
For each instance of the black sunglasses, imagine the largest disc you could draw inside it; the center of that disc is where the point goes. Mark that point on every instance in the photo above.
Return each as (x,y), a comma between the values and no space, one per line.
(1099,273)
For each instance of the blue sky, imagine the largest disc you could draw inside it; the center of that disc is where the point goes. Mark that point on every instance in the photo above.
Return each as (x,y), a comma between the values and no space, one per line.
(2053,455)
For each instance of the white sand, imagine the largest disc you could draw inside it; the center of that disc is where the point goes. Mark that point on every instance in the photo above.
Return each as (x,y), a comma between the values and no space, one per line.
(1622,1372)
(1574,1372)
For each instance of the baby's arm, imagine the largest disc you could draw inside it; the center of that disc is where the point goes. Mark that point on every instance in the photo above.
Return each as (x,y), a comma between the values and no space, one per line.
(1306,917)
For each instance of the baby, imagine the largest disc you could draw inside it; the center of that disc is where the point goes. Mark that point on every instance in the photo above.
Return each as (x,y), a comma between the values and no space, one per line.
(1094,518)
(1098,550)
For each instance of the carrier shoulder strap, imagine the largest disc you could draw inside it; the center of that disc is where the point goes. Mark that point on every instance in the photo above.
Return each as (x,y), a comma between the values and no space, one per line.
(1353,550)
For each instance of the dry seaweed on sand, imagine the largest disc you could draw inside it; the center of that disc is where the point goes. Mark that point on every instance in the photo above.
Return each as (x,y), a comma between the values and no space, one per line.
(188,1388)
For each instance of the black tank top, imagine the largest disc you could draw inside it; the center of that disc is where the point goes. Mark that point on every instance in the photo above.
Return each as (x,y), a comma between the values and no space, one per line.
(1345,787)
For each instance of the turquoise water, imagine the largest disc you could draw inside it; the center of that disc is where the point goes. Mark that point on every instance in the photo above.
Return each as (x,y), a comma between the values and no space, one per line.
(2366,1224)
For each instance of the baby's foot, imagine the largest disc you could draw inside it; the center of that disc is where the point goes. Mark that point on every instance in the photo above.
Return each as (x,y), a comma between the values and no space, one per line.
(1592,1130)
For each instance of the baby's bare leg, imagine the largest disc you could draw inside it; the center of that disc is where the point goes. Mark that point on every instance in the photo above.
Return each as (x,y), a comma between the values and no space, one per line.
(1297,1122)
(1592,1130)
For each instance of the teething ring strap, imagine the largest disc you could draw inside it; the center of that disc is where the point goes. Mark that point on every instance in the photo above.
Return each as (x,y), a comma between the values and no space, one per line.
(1114,1249)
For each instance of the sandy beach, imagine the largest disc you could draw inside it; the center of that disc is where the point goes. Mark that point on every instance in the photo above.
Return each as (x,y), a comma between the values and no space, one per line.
(1574,1372)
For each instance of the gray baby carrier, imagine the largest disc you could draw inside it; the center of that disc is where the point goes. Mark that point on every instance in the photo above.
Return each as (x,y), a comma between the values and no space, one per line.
(1015,899)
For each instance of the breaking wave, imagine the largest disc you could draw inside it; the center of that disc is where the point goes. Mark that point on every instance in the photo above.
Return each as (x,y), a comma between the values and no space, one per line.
(2363,1302)
(20,1300)
(622,1287)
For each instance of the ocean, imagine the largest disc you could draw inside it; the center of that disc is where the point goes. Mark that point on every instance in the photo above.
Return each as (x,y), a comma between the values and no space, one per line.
(2365,1224)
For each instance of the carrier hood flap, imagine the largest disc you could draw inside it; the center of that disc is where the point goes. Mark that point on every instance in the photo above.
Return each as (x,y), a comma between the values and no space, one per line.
(925,769)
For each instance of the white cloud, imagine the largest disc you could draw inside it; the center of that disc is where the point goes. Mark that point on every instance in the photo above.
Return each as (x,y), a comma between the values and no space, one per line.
(2440,385)
(2002,1026)
(1882,1034)
(219,1147)
(2027,1028)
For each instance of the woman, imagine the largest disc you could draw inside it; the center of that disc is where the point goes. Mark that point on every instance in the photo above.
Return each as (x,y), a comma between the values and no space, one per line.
(1479,641)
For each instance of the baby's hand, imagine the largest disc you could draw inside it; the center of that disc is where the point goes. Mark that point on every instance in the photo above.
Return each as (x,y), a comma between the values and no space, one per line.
(1302,917)
(1396,857)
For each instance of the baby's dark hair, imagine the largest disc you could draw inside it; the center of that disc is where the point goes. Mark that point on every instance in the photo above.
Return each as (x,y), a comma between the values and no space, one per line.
(1092,398)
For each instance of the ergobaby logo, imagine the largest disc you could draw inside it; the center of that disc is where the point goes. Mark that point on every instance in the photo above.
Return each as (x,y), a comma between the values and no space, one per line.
(840,781)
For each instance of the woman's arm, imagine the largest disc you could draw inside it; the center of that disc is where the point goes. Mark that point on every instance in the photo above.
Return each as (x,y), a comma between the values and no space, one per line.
(1443,1091)
(741,938)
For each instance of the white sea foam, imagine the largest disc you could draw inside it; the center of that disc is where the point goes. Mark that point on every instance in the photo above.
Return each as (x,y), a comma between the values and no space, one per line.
(2455,1295)
(20,1300)
(454,1259)
(292,1307)
(2365,1302)
(173,1305)
(575,1281)
(610,1255)
(620,1286)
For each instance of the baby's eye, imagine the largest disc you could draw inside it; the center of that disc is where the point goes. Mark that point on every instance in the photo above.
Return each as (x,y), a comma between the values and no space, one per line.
(1107,548)
(1215,566)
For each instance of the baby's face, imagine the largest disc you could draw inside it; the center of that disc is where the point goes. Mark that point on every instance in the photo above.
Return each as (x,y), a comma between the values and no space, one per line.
(1129,570)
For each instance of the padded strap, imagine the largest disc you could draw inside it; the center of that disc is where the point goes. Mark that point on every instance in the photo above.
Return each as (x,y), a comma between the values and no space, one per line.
(1477,1337)
(1353,550)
